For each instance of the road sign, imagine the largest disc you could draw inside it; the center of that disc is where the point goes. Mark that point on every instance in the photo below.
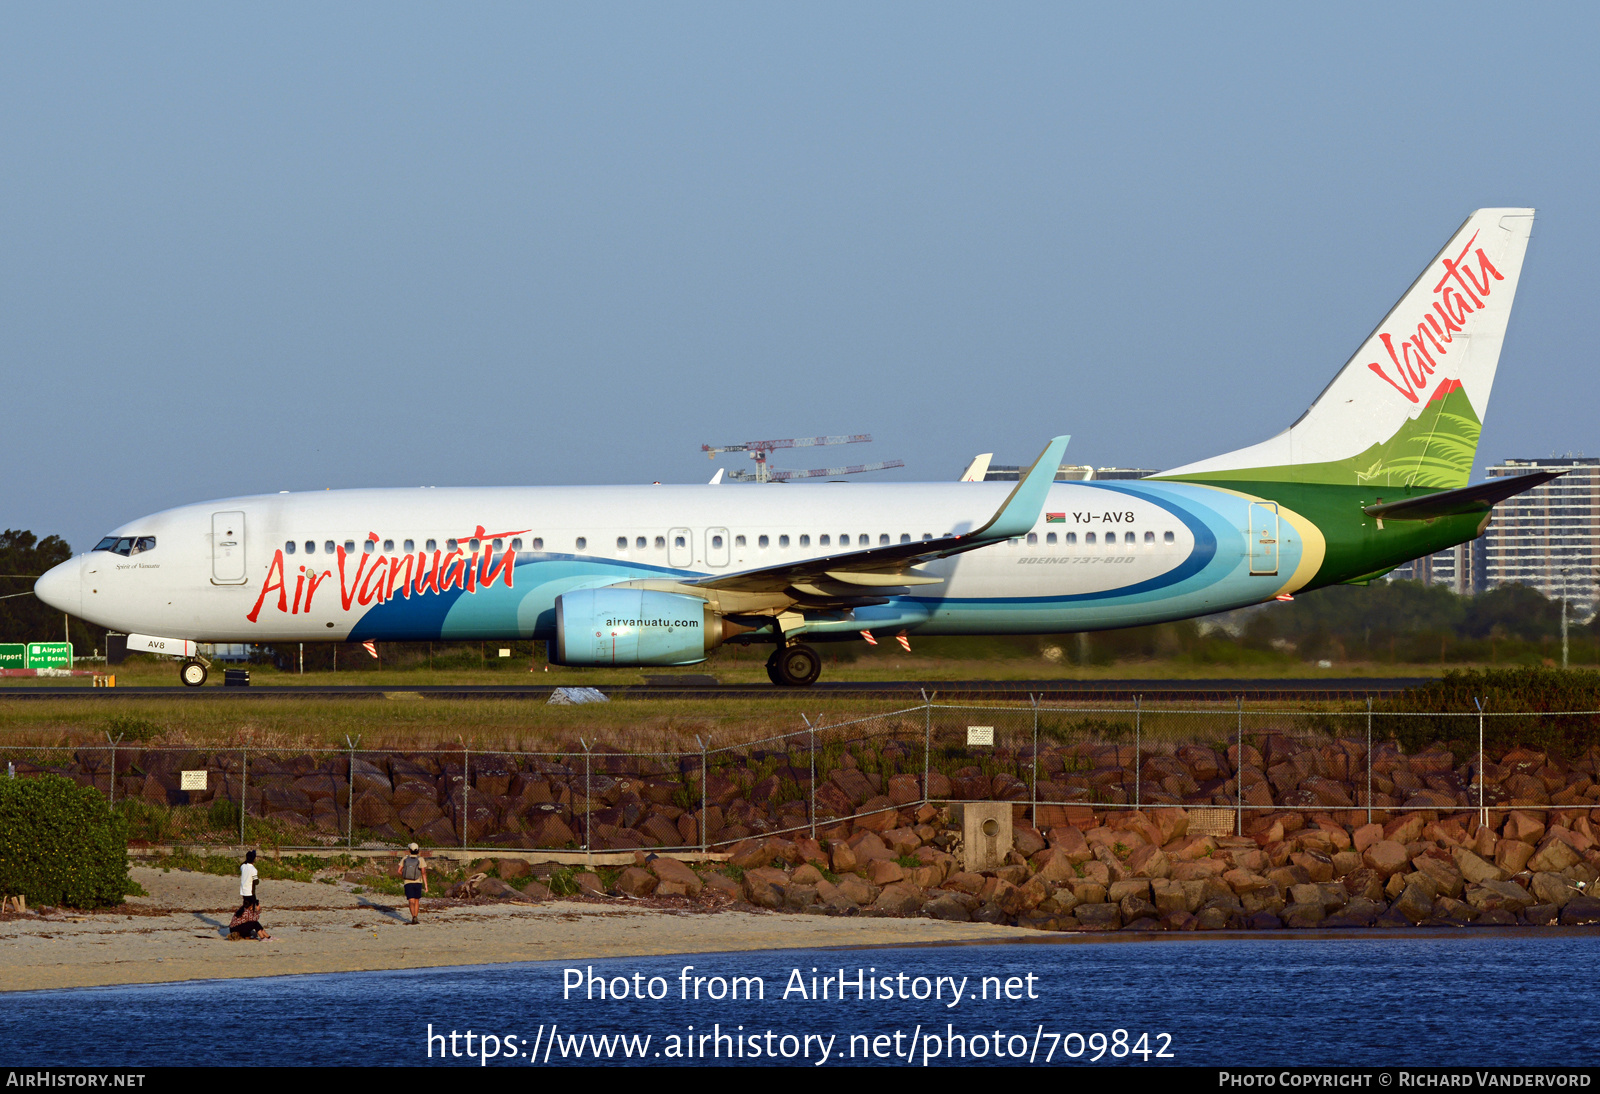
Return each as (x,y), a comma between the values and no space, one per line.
(13,655)
(49,655)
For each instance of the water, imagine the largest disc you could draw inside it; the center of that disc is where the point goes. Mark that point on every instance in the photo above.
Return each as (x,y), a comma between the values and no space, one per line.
(1484,999)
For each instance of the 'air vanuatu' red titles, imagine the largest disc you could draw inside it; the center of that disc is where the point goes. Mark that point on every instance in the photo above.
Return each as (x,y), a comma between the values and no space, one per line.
(1460,294)
(378,578)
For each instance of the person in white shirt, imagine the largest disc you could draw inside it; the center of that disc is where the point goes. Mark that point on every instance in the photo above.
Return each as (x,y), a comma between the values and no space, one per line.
(247,881)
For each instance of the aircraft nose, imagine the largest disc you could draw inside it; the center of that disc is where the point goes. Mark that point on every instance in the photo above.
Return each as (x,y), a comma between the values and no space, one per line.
(61,587)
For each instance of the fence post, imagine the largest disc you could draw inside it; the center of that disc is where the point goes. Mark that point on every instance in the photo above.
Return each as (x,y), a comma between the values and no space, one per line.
(927,742)
(350,802)
(1369,759)
(244,789)
(466,777)
(705,774)
(1033,793)
(1483,812)
(588,809)
(1238,783)
(1138,752)
(113,788)
(811,807)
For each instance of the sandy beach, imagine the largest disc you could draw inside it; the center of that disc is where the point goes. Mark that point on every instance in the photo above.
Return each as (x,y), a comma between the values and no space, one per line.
(178,932)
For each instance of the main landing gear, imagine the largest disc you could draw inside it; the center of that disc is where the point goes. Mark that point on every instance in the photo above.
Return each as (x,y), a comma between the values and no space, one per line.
(193,672)
(794,666)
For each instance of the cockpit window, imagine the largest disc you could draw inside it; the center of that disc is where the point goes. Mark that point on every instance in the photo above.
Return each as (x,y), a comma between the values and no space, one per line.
(126,546)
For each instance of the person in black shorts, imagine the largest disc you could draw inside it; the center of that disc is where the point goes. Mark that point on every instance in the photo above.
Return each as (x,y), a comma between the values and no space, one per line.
(414,872)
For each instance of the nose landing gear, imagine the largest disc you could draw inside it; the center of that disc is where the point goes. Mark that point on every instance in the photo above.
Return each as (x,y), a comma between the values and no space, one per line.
(193,672)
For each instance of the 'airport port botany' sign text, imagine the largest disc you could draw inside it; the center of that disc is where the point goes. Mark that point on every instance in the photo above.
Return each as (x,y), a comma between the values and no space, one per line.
(35,655)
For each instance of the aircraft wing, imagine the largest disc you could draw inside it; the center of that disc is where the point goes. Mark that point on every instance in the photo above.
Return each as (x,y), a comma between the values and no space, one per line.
(852,574)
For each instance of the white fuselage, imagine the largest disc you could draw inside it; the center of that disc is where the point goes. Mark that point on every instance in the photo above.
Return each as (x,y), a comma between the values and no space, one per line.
(488,562)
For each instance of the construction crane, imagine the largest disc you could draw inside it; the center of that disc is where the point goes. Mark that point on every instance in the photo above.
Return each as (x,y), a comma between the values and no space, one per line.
(758,451)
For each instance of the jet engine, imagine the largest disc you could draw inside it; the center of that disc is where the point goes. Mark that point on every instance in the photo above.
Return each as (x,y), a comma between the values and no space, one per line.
(621,626)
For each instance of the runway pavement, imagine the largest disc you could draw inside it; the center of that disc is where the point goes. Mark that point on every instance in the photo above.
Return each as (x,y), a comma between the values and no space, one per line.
(679,688)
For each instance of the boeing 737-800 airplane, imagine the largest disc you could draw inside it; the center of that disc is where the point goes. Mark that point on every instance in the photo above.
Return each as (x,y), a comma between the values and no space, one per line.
(1375,473)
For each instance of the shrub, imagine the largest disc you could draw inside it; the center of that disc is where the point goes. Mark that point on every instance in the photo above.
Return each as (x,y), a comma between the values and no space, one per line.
(133,729)
(1539,708)
(60,844)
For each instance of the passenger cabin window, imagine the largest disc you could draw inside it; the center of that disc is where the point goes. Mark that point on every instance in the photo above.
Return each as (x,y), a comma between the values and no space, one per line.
(473,544)
(639,542)
(328,548)
(349,546)
(411,545)
(1072,538)
(883,540)
(311,546)
(823,540)
(1127,537)
(738,541)
(661,542)
(927,537)
(905,537)
(538,543)
(500,545)
(1088,537)
(451,545)
(431,545)
(1111,539)
(583,542)
(783,541)
(622,543)
(289,547)
(516,544)
(716,542)
(368,546)
(805,541)
(1149,537)
(1167,537)
(1050,537)
(1033,539)
(762,541)
(388,545)
(679,541)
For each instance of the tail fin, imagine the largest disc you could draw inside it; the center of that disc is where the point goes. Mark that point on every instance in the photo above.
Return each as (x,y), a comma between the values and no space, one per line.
(1406,410)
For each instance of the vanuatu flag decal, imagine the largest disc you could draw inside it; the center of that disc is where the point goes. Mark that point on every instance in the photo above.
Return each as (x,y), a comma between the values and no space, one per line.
(1055,518)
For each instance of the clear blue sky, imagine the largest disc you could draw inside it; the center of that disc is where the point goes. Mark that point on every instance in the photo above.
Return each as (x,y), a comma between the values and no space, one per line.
(255,248)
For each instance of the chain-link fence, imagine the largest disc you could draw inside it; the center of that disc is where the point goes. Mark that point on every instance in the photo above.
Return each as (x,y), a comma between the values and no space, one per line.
(1057,765)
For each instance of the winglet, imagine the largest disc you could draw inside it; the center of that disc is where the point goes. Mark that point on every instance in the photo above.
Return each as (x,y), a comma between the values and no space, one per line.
(1022,508)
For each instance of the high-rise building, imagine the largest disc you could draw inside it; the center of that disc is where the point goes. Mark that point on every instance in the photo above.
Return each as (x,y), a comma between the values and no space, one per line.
(1547,538)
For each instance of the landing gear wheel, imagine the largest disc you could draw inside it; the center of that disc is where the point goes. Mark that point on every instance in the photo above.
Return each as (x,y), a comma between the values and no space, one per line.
(797,666)
(772,668)
(192,673)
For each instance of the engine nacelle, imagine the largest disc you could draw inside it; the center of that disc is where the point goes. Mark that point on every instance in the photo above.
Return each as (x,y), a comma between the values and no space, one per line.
(634,627)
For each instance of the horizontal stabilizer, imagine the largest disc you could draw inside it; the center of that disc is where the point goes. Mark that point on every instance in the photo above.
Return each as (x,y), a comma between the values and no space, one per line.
(1455,503)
